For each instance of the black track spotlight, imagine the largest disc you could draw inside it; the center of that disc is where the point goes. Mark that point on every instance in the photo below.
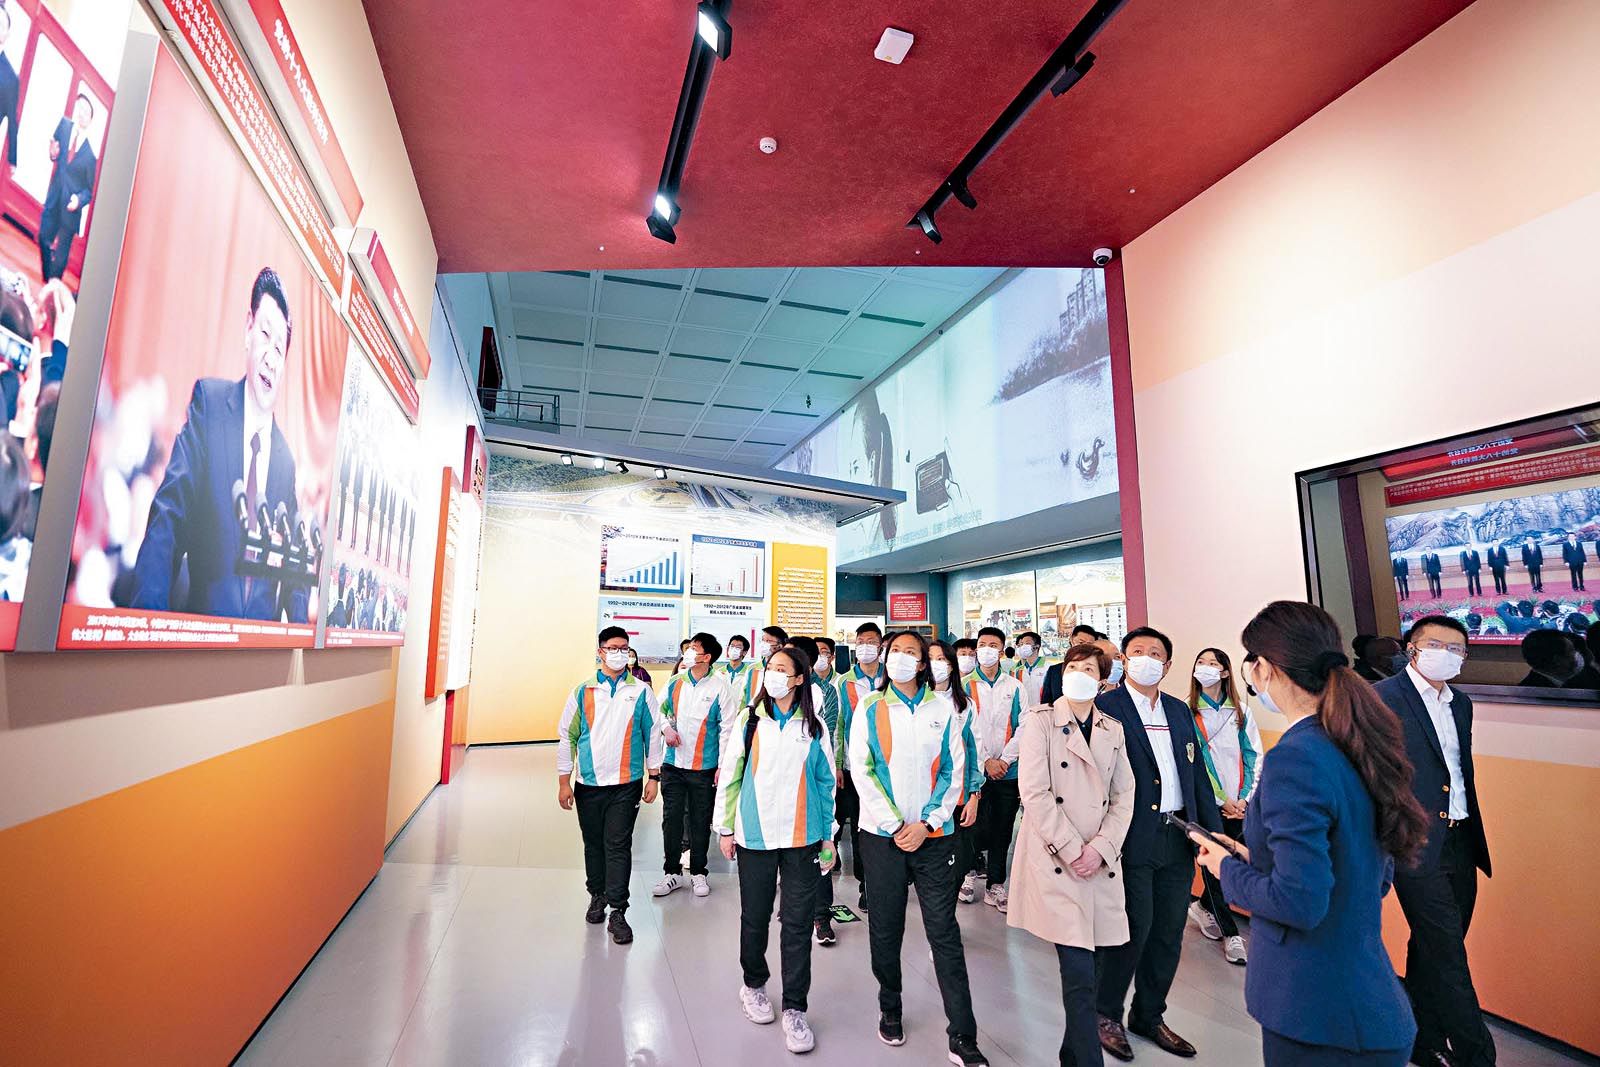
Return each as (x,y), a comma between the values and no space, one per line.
(925,220)
(661,474)
(661,229)
(622,468)
(566,460)
(1073,74)
(714,30)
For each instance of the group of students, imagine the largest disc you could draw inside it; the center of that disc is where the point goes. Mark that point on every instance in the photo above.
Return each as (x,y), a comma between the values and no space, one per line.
(929,749)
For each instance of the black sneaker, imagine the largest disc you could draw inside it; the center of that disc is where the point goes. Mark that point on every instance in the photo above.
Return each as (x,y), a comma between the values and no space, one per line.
(890,1030)
(825,935)
(964,1052)
(621,932)
(861,903)
(597,911)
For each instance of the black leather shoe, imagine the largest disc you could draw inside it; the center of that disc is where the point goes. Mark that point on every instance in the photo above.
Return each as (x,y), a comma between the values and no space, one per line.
(890,1030)
(1165,1039)
(621,932)
(597,911)
(964,1052)
(825,934)
(1114,1039)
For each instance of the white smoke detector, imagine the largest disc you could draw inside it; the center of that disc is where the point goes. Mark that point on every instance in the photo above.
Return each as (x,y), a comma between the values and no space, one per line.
(893,45)
(768,145)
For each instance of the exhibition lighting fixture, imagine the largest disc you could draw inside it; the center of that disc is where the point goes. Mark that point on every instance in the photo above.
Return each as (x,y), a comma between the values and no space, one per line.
(599,463)
(661,473)
(1065,68)
(566,460)
(622,468)
(713,40)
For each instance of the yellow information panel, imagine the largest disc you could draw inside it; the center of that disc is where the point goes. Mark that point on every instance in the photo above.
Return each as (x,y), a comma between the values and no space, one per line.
(800,588)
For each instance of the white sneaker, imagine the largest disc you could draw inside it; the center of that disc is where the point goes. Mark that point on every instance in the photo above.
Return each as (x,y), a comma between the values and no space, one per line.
(757,1006)
(668,883)
(1233,950)
(995,897)
(797,1032)
(702,888)
(969,888)
(1206,921)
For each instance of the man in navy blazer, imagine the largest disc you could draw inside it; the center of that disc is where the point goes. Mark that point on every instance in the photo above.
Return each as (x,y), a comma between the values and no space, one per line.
(1499,560)
(1157,859)
(70,189)
(1438,894)
(1472,567)
(1433,569)
(230,442)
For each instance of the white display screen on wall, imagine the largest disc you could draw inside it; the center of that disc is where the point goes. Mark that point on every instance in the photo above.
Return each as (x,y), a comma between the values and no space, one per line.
(728,567)
(1007,412)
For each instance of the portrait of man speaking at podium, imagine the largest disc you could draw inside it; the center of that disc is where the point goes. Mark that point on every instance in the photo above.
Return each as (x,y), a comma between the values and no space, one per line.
(228,493)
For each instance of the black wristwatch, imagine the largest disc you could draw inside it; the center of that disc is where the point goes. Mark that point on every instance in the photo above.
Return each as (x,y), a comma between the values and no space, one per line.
(656,777)
(928,826)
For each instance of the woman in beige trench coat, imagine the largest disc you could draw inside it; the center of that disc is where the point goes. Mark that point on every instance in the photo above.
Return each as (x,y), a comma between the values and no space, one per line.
(1066,877)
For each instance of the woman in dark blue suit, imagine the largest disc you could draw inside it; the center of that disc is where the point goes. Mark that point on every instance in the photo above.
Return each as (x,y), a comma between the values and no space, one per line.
(1332,815)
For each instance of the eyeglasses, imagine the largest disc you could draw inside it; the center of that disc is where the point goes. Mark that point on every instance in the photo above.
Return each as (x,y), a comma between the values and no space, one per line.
(1433,645)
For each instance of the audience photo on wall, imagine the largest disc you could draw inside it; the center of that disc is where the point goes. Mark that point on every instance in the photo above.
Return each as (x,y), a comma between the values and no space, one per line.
(1081,594)
(202,517)
(59,62)
(372,522)
(1005,600)
(959,454)
(1504,566)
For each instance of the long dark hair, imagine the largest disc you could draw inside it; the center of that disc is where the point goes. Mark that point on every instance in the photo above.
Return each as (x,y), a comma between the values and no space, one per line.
(957,694)
(1303,642)
(924,673)
(1230,691)
(763,703)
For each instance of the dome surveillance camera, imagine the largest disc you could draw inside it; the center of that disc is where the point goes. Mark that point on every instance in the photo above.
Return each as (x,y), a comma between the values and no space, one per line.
(1102,256)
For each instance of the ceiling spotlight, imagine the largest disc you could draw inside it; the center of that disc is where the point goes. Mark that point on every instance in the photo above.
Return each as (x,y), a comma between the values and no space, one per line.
(661,473)
(566,460)
(1073,74)
(622,468)
(925,220)
(666,210)
(661,229)
(599,463)
(714,29)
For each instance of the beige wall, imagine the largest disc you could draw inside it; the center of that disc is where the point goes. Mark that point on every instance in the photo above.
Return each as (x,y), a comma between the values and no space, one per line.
(1413,262)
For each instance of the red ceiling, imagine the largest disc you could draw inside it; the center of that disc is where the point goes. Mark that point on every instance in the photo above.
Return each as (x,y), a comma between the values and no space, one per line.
(536,130)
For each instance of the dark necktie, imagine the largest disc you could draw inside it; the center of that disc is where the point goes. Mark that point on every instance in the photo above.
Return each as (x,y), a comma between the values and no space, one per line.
(251,496)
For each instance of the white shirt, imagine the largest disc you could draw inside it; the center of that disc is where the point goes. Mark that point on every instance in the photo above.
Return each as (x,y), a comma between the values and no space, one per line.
(1444,724)
(1154,717)
(1031,675)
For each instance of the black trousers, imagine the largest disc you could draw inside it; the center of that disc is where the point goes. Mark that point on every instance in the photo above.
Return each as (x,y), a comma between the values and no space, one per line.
(1280,1051)
(1435,585)
(606,814)
(1438,907)
(1474,583)
(1080,1045)
(997,813)
(759,871)
(686,796)
(1405,586)
(1156,888)
(933,869)
(1536,578)
(1576,571)
(969,844)
(1500,585)
(1211,899)
(847,809)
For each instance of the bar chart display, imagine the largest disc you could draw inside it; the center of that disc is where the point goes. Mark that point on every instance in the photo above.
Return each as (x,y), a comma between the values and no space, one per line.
(643,562)
(728,567)
(653,625)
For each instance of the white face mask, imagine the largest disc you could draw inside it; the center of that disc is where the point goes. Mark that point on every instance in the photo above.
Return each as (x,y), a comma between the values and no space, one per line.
(1079,685)
(1116,672)
(1265,698)
(824,663)
(941,670)
(689,660)
(767,649)
(867,653)
(1025,651)
(1438,664)
(776,685)
(616,658)
(902,666)
(988,656)
(1207,675)
(1145,670)
(735,655)
(966,663)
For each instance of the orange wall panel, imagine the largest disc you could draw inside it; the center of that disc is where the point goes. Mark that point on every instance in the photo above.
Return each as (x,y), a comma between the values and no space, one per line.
(160,923)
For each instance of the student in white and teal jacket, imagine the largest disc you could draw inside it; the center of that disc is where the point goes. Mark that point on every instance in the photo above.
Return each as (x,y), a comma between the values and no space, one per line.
(774,812)
(908,761)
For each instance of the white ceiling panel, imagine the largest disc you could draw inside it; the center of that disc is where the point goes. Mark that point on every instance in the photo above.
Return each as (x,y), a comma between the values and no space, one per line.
(618,347)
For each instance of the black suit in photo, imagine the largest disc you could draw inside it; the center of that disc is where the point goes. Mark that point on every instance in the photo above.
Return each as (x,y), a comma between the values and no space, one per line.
(1533,560)
(193,530)
(1499,560)
(1574,557)
(1433,569)
(10,93)
(72,175)
(1051,690)
(1157,865)
(1472,567)
(1438,894)
(1401,569)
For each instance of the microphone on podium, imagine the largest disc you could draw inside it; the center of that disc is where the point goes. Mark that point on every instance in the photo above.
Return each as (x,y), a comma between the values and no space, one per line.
(241,510)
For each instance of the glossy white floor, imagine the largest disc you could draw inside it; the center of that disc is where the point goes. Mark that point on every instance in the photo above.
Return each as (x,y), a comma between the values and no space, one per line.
(470,948)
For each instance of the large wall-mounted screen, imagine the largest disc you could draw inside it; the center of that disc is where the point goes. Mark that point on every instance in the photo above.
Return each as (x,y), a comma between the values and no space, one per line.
(1005,413)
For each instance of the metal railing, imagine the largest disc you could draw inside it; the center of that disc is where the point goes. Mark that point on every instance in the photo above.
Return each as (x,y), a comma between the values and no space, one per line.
(522,407)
